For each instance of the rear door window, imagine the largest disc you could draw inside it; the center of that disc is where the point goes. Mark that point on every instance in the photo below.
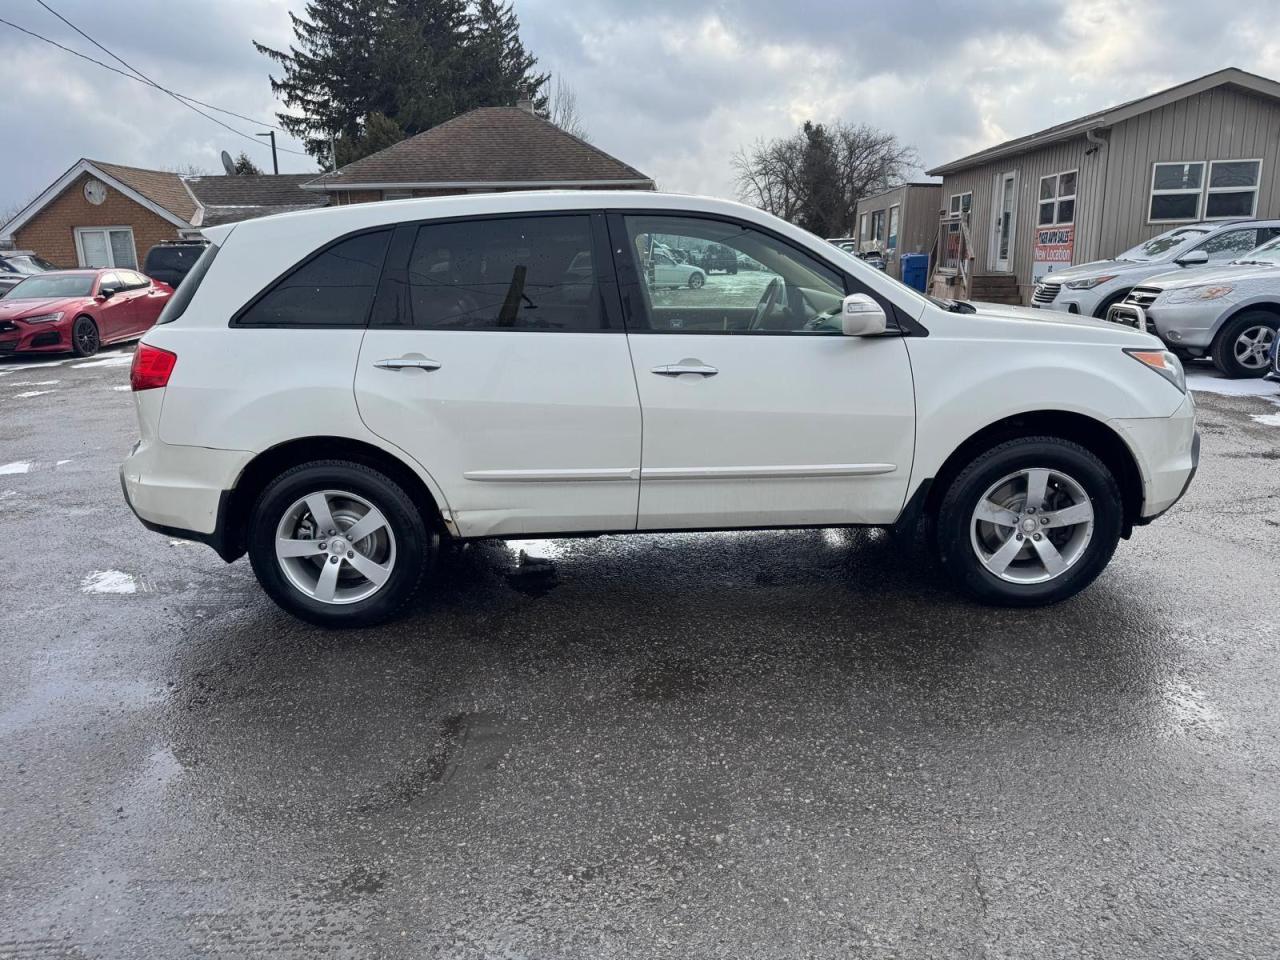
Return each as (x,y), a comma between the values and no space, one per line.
(334,288)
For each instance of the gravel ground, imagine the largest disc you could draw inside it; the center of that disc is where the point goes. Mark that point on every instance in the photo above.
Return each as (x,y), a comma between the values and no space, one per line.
(792,744)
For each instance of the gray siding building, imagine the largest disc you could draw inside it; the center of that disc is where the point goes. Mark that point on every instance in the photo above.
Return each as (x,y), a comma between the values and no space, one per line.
(898,221)
(1089,189)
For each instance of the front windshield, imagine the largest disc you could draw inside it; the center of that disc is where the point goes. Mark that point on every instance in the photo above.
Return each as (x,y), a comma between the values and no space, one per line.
(1268,253)
(48,286)
(1158,248)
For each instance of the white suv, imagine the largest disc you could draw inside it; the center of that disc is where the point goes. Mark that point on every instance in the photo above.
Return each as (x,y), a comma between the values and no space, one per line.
(335,391)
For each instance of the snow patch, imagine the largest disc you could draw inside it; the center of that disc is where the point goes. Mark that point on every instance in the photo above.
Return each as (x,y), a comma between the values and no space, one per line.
(18,466)
(123,387)
(1207,382)
(28,394)
(5,371)
(34,383)
(61,462)
(7,494)
(1268,419)
(116,360)
(109,581)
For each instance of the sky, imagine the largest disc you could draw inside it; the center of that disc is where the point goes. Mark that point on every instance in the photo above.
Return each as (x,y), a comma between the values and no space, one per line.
(673,87)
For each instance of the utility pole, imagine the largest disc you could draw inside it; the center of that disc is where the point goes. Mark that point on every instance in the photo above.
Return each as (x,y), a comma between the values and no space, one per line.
(275,164)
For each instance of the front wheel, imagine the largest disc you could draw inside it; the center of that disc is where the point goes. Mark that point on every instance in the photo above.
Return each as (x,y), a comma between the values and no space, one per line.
(1030,522)
(696,280)
(338,544)
(85,340)
(1243,346)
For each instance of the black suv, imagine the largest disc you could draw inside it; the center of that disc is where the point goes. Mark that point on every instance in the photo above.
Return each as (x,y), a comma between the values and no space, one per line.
(171,260)
(719,257)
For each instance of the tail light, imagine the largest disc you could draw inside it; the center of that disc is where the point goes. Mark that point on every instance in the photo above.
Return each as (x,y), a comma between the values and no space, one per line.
(151,367)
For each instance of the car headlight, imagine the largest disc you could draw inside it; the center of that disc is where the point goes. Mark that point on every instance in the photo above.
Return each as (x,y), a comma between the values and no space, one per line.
(43,318)
(1089,282)
(1162,362)
(1205,292)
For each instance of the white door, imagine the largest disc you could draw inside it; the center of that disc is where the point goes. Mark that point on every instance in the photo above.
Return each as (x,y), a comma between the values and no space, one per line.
(1005,219)
(757,411)
(493,359)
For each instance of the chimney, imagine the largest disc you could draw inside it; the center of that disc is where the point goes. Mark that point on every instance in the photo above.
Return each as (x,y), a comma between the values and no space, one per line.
(526,105)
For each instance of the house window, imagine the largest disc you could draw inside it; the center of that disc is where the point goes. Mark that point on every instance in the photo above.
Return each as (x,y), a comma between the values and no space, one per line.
(877,226)
(895,213)
(106,247)
(1057,199)
(1175,191)
(1233,189)
(961,203)
(862,228)
(397,194)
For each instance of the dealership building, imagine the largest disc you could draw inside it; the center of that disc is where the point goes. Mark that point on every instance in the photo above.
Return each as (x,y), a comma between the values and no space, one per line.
(1091,188)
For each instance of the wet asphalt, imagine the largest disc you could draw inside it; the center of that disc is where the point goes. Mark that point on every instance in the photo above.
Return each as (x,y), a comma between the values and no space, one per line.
(793,744)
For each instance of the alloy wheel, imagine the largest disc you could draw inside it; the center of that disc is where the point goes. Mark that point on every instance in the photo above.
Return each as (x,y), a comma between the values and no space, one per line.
(1032,526)
(1253,346)
(335,546)
(86,334)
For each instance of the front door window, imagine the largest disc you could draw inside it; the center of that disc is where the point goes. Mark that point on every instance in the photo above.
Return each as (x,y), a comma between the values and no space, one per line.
(1004,220)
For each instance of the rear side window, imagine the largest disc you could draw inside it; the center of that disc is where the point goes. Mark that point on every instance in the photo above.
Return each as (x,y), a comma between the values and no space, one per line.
(334,288)
(518,273)
(176,305)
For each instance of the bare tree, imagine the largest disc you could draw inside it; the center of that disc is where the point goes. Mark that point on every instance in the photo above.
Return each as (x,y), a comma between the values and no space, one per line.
(187,170)
(815,177)
(562,110)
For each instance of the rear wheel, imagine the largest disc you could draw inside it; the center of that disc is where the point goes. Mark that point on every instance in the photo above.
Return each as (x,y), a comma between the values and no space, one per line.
(1243,345)
(696,280)
(85,340)
(1029,522)
(338,543)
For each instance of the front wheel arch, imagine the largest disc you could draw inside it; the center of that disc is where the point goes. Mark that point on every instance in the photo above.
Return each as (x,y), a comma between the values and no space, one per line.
(1100,311)
(1094,435)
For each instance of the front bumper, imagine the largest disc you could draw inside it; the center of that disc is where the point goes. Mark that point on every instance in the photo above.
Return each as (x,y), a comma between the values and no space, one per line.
(18,336)
(182,491)
(1167,450)
(1188,326)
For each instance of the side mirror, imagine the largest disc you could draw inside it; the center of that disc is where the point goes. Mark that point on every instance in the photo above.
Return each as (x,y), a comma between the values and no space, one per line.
(860,316)
(1192,258)
(106,292)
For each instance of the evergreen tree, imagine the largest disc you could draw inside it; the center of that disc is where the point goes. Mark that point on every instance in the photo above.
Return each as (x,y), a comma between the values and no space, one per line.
(411,63)
(245,166)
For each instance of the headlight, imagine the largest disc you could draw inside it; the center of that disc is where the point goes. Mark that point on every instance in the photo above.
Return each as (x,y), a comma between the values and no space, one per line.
(1162,362)
(1090,282)
(1191,294)
(43,318)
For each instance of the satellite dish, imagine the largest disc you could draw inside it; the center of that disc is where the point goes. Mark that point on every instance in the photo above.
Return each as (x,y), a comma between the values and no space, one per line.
(228,164)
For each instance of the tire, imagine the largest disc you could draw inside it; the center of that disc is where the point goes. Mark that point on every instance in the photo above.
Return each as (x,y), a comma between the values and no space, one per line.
(1100,312)
(399,548)
(1242,346)
(1002,475)
(85,340)
(696,280)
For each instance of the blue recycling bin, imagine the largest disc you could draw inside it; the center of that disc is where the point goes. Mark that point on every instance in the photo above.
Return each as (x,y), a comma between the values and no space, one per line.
(915,270)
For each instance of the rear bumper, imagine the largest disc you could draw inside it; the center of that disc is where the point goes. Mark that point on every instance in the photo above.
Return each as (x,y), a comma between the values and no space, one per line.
(182,491)
(1167,450)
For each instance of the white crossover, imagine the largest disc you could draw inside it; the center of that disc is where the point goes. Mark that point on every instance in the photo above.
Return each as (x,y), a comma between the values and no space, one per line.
(336,391)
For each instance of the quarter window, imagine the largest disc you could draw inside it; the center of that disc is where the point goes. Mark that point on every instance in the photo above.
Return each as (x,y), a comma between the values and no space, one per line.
(1233,188)
(1057,199)
(332,289)
(518,273)
(778,289)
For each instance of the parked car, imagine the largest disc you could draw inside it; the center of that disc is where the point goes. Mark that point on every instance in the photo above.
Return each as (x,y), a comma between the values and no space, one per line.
(666,271)
(170,260)
(1229,313)
(717,256)
(78,311)
(1091,289)
(335,391)
(17,265)
(873,258)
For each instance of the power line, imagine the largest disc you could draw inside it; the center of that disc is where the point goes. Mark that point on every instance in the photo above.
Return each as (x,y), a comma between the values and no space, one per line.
(130,76)
(144,78)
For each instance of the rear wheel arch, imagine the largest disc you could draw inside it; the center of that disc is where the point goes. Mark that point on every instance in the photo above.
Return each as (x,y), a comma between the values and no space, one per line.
(270,463)
(1094,435)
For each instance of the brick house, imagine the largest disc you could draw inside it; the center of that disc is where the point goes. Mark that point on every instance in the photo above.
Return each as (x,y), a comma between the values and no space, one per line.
(107,214)
(481,151)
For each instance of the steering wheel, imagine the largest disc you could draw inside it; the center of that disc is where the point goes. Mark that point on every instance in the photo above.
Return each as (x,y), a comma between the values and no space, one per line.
(767,301)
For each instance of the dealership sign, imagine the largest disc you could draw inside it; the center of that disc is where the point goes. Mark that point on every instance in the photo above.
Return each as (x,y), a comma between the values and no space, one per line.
(1053,250)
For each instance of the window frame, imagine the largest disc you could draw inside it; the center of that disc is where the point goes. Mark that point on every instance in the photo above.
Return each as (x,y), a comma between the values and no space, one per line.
(879,225)
(1152,192)
(1210,189)
(1057,198)
(864,226)
(893,226)
(106,232)
(395,266)
(955,204)
(237,318)
(629,277)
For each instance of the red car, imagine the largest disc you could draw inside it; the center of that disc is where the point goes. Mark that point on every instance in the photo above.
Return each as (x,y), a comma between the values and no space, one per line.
(79,310)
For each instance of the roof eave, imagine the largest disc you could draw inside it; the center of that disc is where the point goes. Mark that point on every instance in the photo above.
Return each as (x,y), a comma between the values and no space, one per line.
(473,184)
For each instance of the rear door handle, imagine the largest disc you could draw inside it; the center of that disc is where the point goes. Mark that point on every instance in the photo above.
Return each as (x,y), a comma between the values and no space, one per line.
(399,363)
(685,366)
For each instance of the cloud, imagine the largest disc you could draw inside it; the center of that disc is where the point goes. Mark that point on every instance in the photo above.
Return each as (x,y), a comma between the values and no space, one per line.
(671,86)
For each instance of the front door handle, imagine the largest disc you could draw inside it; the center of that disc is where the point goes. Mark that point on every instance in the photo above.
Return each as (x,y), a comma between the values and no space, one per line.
(685,366)
(399,363)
